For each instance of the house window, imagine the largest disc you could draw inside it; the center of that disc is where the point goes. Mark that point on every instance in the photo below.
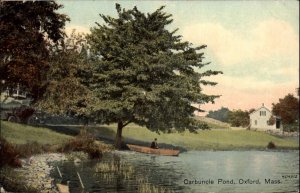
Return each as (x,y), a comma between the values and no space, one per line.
(255,122)
(262,113)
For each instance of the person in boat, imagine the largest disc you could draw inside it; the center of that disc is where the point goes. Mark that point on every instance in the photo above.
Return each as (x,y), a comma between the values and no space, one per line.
(154,144)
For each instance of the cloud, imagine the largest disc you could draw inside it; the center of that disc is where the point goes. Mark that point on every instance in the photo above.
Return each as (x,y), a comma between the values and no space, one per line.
(233,46)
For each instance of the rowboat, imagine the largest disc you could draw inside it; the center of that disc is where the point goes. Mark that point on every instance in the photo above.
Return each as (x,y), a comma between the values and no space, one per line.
(142,149)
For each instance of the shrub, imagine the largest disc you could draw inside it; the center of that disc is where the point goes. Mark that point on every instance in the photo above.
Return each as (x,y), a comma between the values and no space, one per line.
(84,142)
(271,145)
(291,127)
(9,155)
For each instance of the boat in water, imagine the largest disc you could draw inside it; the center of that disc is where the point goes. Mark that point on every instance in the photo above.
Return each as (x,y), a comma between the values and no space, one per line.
(148,150)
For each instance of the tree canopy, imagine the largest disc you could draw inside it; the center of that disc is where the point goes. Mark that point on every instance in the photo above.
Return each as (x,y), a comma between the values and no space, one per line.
(26,31)
(68,78)
(145,74)
(287,108)
(239,118)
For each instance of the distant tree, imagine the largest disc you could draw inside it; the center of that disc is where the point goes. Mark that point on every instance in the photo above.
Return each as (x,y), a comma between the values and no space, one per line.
(146,74)
(221,114)
(287,109)
(26,30)
(239,118)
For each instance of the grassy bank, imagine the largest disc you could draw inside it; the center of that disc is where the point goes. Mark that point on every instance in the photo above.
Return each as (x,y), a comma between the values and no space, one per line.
(225,139)
(203,140)
(21,134)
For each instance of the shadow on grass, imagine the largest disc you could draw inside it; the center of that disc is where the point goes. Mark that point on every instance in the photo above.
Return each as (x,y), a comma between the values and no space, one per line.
(104,134)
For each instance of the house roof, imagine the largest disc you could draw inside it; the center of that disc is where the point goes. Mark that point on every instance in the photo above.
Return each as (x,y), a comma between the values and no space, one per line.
(261,108)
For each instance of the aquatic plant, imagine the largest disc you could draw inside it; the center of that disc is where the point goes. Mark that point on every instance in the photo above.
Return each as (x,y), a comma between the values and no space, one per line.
(116,170)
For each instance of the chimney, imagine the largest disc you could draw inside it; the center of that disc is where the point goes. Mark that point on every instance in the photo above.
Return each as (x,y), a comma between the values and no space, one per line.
(263,104)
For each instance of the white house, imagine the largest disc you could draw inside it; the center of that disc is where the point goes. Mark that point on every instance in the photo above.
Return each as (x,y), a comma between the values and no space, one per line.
(259,119)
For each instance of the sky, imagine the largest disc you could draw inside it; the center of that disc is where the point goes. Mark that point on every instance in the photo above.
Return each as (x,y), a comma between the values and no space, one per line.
(254,43)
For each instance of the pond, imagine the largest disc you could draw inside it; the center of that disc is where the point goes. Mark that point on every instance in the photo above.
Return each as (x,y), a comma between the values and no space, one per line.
(192,171)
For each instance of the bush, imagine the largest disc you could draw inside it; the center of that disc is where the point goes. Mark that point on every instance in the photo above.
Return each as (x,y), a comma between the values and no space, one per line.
(9,155)
(271,145)
(291,127)
(203,126)
(84,142)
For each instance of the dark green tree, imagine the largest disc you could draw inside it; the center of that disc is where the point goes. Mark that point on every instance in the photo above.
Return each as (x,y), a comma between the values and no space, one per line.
(26,31)
(146,74)
(239,118)
(221,114)
(287,108)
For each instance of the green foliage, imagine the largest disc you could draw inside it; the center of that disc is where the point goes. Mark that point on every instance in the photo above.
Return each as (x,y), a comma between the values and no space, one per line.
(287,109)
(68,79)
(293,127)
(84,142)
(239,118)
(146,74)
(221,114)
(26,31)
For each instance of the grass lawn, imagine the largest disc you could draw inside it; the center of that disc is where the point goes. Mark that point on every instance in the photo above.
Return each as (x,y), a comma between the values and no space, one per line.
(220,139)
(205,139)
(21,134)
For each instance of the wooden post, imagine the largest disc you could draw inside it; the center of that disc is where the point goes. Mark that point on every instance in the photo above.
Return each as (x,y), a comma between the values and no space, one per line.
(80,181)
(59,171)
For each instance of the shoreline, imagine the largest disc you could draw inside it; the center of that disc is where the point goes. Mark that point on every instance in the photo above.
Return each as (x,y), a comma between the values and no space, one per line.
(36,170)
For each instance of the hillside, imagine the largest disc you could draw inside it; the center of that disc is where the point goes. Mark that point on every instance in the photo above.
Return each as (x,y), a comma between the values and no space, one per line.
(21,134)
(213,123)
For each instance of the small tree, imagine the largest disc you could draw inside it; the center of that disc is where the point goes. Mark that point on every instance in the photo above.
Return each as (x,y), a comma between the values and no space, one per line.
(239,118)
(145,74)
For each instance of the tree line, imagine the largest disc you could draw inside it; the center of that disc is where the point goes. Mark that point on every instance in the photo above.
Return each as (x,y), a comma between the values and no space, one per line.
(128,69)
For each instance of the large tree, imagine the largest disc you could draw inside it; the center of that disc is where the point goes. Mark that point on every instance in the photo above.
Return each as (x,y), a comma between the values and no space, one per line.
(287,108)
(26,31)
(146,74)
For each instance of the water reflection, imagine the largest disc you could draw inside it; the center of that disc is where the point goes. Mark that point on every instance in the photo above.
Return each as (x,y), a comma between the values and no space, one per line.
(135,172)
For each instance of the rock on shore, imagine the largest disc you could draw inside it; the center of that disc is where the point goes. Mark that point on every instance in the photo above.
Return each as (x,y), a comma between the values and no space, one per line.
(36,171)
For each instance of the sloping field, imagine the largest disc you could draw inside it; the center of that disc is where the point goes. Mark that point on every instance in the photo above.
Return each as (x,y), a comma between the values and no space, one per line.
(213,123)
(204,139)
(21,134)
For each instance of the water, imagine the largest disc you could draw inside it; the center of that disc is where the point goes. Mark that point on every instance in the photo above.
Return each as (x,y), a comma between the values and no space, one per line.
(193,171)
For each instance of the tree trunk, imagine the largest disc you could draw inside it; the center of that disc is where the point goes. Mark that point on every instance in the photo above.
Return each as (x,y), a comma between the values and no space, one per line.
(118,140)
